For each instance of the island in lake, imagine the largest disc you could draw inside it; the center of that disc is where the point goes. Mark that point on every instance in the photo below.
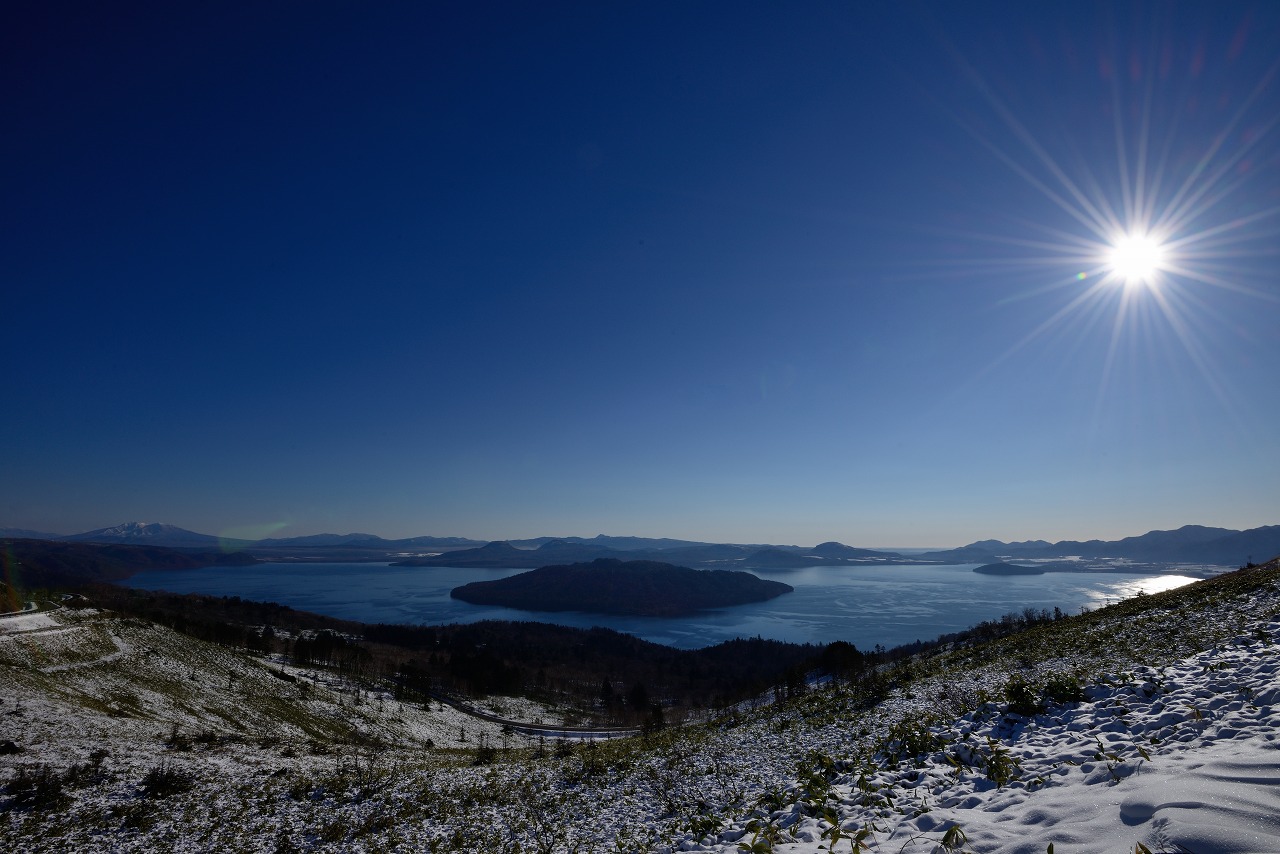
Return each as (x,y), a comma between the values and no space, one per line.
(1008,569)
(609,586)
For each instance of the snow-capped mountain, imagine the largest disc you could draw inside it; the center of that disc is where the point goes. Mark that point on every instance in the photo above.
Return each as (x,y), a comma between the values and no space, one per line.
(147,533)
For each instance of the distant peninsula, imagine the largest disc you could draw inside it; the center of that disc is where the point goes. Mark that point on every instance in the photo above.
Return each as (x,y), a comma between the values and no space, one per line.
(49,563)
(1008,569)
(610,586)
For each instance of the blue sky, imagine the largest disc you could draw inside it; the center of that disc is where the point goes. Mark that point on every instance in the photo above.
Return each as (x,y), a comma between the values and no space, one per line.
(718,271)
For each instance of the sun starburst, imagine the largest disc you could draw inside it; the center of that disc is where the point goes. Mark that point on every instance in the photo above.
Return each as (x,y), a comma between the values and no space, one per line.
(1149,244)
(1137,259)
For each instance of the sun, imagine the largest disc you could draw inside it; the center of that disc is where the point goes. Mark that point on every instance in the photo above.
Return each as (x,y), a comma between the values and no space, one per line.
(1136,259)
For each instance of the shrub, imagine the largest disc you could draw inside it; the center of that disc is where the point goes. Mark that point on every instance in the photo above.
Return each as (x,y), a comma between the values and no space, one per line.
(1002,766)
(178,740)
(136,815)
(38,789)
(1022,698)
(164,780)
(1061,688)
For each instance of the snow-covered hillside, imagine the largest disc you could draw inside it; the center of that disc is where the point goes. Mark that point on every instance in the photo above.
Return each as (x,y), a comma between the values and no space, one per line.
(1155,729)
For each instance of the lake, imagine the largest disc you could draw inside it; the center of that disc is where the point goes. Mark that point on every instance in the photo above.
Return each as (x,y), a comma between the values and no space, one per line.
(887,605)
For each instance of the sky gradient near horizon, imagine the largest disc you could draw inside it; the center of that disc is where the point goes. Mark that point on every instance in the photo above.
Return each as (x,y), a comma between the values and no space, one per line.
(754,273)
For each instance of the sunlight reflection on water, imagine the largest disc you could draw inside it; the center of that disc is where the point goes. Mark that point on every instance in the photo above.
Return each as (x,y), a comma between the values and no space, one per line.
(1120,590)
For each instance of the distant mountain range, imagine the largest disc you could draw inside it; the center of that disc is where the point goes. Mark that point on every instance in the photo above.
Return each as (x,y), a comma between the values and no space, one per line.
(24,533)
(504,555)
(1188,544)
(364,541)
(171,536)
(620,543)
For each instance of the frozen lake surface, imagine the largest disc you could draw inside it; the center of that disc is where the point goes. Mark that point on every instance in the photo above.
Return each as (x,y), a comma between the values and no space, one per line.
(887,605)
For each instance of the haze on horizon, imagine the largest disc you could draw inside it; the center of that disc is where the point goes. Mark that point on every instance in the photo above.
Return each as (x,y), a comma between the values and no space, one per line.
(899,274)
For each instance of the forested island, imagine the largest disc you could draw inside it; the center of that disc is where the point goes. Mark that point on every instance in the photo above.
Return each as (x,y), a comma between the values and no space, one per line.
(1008,569)
(609,586)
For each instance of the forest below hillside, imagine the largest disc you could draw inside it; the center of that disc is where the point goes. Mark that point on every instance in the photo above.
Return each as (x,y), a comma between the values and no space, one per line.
(609,676)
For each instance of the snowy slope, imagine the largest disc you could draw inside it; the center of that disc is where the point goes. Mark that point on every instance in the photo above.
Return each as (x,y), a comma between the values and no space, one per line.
(1171,745)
